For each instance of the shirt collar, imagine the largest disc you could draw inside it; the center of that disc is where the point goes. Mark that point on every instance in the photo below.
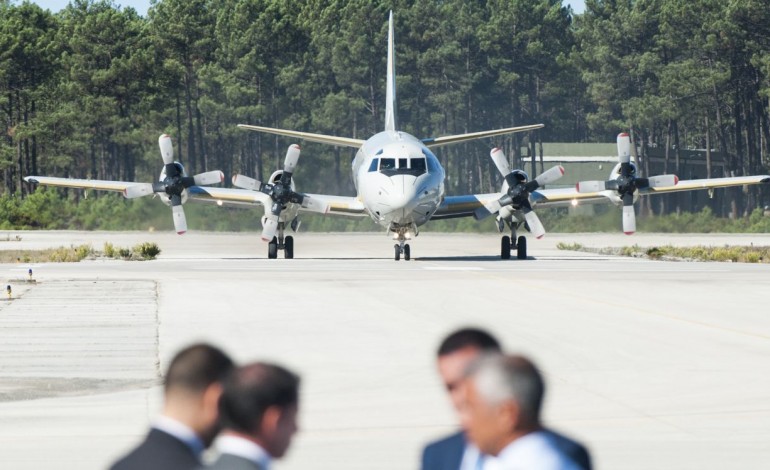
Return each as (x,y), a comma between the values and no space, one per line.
(517,445)
(180,431)
(241,447)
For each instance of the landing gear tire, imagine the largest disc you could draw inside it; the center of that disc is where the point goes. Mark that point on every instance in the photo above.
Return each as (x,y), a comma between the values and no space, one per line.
(288,247)
(272,249)
(407,252)
(505,248)
(398,252)
(521,248)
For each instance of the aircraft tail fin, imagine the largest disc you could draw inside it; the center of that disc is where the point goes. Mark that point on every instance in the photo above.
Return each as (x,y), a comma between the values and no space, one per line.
(390,91)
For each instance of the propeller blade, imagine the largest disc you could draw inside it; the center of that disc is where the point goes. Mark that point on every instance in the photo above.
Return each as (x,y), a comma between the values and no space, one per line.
(314,205)
(535,226)
(290,163)
(210,177)
(629,220)
(629,216)
(166,149)
(138,190)
(551,175)
(641,183)
(591,186)
(269,227)
(624,147)
(292,156)
(180,221)
(663,181)
(245,182)
(501,161)
(487,209)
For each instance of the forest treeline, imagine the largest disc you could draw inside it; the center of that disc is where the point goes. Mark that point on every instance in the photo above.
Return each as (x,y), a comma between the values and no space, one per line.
(85,92)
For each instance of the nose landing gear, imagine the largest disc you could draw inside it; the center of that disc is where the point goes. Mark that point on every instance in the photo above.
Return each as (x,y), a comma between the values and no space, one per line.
(402,247)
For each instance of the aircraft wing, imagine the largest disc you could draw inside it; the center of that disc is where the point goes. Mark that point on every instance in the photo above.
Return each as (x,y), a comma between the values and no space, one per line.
(710,183)
(324,139)
(103,185)
(464,206)
(453,139)
(318,203)
(562,197)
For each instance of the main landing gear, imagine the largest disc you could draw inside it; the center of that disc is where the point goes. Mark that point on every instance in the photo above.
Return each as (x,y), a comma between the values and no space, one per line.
(509,243)
(279,242)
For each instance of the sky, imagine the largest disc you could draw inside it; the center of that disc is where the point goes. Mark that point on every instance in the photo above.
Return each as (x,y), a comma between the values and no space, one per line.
(141,6)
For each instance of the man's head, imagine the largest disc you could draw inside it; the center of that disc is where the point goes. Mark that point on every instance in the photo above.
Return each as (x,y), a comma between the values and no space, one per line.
(503,396)
(192,387)
(260,402)
(456,353)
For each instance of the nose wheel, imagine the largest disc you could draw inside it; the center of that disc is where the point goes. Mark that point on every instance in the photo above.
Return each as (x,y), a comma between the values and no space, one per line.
(402,249)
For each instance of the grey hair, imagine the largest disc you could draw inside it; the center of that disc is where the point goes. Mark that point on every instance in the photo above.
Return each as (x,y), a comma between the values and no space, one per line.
(499,378)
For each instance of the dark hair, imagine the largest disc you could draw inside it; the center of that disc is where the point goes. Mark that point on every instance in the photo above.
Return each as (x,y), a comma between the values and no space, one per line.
(252,389)
(469,337)
(196,367)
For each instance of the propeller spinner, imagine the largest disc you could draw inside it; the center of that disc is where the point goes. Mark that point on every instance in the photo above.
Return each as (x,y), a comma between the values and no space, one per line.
(517,194)
(627,183)
(173,184)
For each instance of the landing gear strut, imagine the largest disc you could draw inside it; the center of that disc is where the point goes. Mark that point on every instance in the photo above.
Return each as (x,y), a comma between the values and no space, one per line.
(402,248)
(511,242)
(281,242)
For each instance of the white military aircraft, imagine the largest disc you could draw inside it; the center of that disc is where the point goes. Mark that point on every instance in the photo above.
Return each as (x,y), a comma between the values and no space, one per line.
(400,185)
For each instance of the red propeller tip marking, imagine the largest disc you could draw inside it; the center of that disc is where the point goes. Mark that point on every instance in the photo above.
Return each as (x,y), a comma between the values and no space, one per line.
(629,233)
(541,236)
(577,187)
(623,134)
(182,233)
(676,180)
(561,170)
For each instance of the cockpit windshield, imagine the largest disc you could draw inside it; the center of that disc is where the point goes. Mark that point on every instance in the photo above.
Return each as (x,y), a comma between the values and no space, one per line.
(399,166)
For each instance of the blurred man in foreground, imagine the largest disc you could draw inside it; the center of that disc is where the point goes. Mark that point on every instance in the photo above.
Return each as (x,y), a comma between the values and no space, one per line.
(456,352)
(501,416)
(189,420)
(258,411)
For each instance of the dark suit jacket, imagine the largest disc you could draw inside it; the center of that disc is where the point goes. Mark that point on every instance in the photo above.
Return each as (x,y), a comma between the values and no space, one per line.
(232,462)
(444,454)
(447,453)
(159,451)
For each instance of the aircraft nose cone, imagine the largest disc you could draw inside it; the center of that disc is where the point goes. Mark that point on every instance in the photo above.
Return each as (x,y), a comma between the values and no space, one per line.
(404,192)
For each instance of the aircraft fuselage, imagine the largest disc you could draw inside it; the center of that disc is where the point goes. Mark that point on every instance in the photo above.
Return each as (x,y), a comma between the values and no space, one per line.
(399,180)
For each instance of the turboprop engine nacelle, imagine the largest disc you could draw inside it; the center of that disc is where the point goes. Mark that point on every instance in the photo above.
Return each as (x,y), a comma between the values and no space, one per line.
(163,196)
(276,177)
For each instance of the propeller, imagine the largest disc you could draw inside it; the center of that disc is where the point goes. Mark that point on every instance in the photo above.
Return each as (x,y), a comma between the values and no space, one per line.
(280,192)
(173,184)
(518,192)
(627,184)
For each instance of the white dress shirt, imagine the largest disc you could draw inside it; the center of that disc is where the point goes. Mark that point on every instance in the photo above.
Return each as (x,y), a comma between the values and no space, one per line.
(472,458)
(182,432)
(244,448)
(534,451)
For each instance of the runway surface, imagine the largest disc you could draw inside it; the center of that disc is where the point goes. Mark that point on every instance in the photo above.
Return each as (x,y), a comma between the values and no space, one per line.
(652,364)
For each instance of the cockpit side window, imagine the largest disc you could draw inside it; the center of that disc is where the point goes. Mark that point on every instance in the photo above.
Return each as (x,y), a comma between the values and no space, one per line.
(417,166)
(387,164)
(374,164)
